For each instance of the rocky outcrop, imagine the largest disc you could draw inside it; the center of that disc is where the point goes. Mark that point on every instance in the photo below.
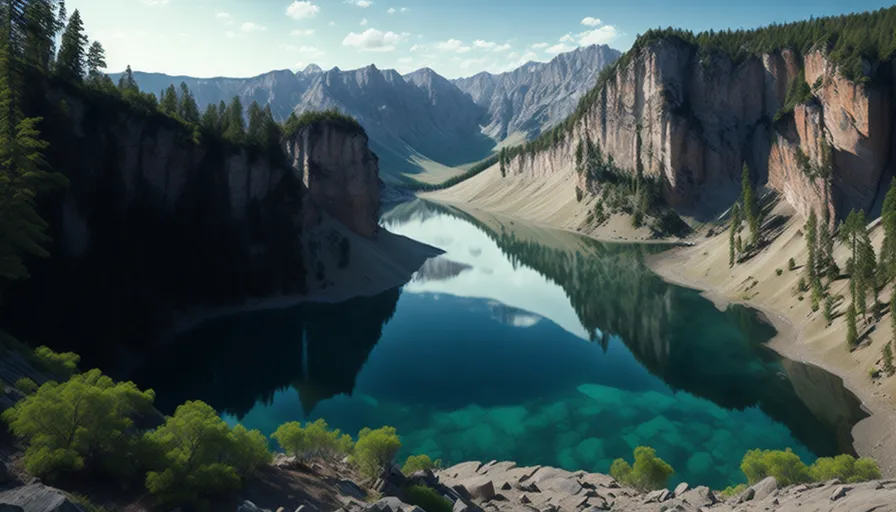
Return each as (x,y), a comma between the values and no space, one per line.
(694,117)
(340,174)
(36,498)
(155,224)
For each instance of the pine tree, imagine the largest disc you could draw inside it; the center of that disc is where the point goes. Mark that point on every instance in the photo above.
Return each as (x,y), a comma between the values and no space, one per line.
(735,227)
(503,156)
(852,335)
(186,107)
(888,368)
(23,176)
(829,309)
(96,61)
(236,125)
(751,209)
(40,32)
(811,230)
(825,255)
(61,17)
(272,131)
(168,101)
(255,132)
(888,248)
(127,83)
(73,49)
(210,120)
(224,121)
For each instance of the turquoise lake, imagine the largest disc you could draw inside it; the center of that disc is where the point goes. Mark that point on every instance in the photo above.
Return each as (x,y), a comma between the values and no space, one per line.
(519,343)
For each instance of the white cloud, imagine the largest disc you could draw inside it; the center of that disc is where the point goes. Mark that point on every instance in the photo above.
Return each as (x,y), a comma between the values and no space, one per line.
(373,40)
(252,27)
(332,24)
(479,43)
(391,10)
(453,45)
(230,34)
(602,35)
(468,63)
(540,46)
(311,51)
(299,32)
(288,48)
(229,23)
(404,9)
(301,9)
(222,15)
(590,22)
(568,38)
(363,22)
(155,2)
(360,3)
(559,48)
(417,47)
(502,48)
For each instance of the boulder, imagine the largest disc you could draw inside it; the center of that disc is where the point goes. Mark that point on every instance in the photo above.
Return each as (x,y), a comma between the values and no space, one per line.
(283,461)
(37,498)
(653,496)
(349,488)
(680,489)
(568,486)
(765,487)
(700,496)
(840,492)
(392,504)
(460,506)
(746,496)
(480,488)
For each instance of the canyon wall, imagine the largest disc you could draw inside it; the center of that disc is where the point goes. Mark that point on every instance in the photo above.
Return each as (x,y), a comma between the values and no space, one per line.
(701,116)
(158,222)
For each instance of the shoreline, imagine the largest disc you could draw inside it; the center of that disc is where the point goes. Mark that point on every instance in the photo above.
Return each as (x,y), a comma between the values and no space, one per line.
(872,436)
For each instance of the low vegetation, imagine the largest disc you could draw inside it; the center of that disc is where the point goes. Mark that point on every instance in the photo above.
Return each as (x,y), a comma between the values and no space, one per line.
(315,439)
(427,499)
(649,472)
(419,186)
(788,469)
(331,117)
(375,450)
(416,463)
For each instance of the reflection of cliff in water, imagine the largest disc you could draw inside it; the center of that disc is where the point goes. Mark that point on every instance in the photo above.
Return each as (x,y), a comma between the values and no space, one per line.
(680,336)
(231,363)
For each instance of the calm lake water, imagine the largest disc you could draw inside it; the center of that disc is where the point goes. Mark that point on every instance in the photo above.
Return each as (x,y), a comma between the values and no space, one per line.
(520,343)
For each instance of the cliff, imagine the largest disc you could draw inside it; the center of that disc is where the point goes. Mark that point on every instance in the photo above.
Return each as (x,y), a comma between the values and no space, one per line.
(156,223)
(694,116)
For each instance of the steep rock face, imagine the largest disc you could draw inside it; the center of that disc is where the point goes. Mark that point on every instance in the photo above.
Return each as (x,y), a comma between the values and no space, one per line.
(701,116)
(340,174)
(154,224)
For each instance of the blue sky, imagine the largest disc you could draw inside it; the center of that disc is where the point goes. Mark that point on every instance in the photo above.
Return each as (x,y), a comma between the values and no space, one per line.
(455,37)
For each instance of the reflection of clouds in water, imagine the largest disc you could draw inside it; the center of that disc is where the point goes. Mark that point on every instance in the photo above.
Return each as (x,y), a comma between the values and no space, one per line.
(487,271)
(439,269)
(443,241)
(475,252)
(512,316)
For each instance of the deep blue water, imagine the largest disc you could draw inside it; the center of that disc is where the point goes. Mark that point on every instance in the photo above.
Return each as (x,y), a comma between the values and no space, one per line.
(520,343)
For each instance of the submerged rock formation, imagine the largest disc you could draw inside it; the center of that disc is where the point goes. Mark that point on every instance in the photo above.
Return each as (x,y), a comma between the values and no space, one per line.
(693,117)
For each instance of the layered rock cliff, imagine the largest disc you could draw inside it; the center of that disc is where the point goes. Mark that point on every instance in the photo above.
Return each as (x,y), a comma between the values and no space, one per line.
(155,223)
(694,117)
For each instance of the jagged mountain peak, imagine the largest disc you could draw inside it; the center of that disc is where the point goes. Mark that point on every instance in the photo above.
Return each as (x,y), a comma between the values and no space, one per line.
(312,69)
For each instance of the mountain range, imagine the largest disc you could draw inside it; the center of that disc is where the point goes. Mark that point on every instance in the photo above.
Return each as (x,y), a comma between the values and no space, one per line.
(419,122)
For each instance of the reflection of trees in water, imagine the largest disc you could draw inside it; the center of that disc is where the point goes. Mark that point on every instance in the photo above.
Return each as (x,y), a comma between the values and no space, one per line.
(682,338)
(234,362)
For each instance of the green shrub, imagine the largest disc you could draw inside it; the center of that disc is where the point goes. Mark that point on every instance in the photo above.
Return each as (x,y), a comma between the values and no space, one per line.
(785,466)
(63,365)
(845,467)
(791,264)
(648,473)
(201,456)
(315,439)
(375,450)
(86,419)
(778,271)
(419,462)
(730,491)
(427,499)
(26,385)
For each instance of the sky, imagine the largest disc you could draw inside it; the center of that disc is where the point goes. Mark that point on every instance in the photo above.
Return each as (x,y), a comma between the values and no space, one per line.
(240,38)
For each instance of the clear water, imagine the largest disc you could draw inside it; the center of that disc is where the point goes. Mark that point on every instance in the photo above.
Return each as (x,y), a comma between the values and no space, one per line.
(520,343)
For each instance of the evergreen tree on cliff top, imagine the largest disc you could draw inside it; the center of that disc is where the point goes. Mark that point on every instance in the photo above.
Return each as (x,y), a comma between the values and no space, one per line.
(186,107)
(40,33)
(73,49)
(96,60)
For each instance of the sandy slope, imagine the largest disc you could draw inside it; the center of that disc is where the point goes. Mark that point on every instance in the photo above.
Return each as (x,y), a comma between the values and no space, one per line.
(550,200)
(803,334)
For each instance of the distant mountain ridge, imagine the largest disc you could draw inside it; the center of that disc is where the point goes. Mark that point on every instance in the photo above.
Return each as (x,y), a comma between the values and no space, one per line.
(421,116)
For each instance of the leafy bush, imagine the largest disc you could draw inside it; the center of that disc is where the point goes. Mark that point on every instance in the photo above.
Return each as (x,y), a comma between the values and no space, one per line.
(785,466)
(63,365)
(419,462)
(26,385)
(315,439)
(845,467)
(791,264)
(201,455)
(331,116)
(87,418)
(648,473)
(778,271)
(375,450)
(427,499)
(730,491)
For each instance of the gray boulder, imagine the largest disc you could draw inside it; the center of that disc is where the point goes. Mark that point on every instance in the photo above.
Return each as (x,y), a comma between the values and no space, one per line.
(248,506)
(479,488)
(680,489)
(37,498)
(765,487)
